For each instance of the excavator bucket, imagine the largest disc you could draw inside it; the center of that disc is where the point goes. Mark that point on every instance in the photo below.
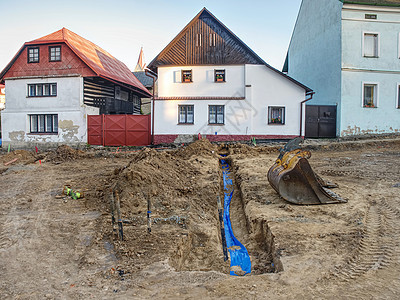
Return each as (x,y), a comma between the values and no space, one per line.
(293,179)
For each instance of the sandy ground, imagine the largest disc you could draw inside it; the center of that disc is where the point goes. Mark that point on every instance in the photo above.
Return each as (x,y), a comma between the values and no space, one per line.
(55,247)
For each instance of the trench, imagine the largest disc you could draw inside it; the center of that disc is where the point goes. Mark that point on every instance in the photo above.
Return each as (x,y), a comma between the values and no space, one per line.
(239,256)
(253,233)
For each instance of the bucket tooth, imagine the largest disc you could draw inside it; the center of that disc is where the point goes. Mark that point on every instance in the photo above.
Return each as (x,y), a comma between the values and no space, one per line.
(293,179)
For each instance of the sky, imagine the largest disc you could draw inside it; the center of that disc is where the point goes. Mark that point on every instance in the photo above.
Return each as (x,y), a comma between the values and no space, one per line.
(123,27)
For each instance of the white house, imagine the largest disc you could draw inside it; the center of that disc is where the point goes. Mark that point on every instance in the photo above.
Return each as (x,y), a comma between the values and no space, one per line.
(348,52)
(210,82)
(53,83)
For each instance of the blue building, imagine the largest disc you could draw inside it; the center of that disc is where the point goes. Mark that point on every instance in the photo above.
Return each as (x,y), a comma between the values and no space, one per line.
(348,52)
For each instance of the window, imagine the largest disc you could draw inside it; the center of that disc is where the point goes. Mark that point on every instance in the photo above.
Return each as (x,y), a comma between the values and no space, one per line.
(198,40)
(216,114)
(186,75)
(44,123)
(370,95)
(219,76)
(42,90)
(276,115)
(371,45)
(212,39)
(33,55)
(186,114)
(55,53)
(398,47)
(398,96)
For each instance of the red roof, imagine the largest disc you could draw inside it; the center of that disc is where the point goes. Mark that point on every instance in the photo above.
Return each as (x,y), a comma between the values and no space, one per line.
(98,60)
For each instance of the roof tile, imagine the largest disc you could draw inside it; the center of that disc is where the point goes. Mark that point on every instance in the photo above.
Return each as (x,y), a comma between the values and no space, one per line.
(99,60)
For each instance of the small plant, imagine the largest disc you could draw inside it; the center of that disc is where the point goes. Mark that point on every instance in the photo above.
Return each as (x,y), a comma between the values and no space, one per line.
(220,78)
(276,120)
(369,104)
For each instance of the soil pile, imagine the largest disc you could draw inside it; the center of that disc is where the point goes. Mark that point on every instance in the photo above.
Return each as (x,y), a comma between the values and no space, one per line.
(201,147)
(64,153)
(22,156)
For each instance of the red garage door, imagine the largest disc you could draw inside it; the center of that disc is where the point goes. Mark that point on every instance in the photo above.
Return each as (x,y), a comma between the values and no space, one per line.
(119,130)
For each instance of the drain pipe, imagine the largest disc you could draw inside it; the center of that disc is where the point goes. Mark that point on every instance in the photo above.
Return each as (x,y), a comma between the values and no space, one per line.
(301,110)
(153,75)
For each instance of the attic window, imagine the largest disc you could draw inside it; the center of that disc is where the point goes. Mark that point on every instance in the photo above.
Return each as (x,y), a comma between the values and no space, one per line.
(219,75)
(212,39)
(33,55)
(370,17)
(55,53)
(198,40)
(186,75)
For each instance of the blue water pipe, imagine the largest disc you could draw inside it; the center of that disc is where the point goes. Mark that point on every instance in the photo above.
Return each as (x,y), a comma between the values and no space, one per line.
(237,252)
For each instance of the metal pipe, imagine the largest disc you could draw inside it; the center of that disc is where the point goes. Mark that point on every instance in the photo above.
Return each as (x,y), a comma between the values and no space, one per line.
(301,110)
(153,76)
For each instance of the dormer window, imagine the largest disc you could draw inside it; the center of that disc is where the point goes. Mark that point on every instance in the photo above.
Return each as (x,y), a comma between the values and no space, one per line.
(55,53)
(33,55)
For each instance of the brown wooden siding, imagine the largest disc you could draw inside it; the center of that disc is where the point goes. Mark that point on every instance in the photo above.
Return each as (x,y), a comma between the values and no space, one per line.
(188,49)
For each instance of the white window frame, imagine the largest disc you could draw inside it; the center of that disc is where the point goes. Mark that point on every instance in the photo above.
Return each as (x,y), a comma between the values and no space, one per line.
(377,44)
(215,121)
(186,106)
(398,47)
(37,88)
(56,55)
(376,93)
(43,127)
(269,114)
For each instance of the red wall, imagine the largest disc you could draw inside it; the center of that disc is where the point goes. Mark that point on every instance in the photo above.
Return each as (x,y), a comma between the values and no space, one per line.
(69,64)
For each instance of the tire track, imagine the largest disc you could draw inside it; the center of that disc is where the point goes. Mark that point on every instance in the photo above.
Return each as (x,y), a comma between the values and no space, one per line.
(377,247)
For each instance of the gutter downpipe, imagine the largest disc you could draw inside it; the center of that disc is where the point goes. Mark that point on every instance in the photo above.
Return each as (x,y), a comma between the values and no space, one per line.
(152,75)
(301,110)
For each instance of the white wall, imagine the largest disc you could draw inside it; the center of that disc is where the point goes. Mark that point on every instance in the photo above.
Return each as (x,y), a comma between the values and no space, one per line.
(169,82)
(242,117)
(68,104)
(384,71)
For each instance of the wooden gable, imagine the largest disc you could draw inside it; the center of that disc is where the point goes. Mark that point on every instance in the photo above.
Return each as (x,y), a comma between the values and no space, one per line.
(206,41)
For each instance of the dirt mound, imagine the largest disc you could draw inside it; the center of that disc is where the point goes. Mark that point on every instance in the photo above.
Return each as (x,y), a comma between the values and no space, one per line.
(64,153)
(21,155)
(246,150)
(201,147)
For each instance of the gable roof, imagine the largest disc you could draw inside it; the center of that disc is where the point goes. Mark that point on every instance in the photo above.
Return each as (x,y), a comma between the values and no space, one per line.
(98,60)
(373,2)
(191,46)
(181,50)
